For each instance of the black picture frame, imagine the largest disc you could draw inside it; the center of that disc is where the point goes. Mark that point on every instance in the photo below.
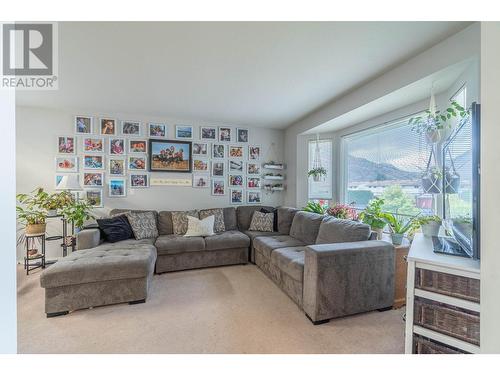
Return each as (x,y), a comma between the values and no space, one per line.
(152,159)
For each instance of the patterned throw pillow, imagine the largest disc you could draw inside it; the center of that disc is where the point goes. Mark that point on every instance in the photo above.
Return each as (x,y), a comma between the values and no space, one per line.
(200,228)
(180,221)
(262,222)
(143,224)
(219,218)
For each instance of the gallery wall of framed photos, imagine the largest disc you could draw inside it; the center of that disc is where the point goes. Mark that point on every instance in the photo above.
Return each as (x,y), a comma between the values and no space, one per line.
(111,154)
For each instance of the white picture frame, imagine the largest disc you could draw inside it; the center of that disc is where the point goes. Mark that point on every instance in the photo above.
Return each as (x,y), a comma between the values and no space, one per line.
(218,187)
(236,180)
(254,182)
(236,196)
(201,149)
(84,125)
(66,164)
(107,126)
(138,180)
(242,135)
(117,188)
(136,163)
(236,166)
(235,152)
(200,165)
(218,168)
(117,146)
(66,145)
(157,130)
(94,194)
(117,166)
(201,180)
(253,169)
(254,152)
(131,128)
(225,134)
(218,151)
(254,197)
(58,177)
(183,132)
(93,162)
(137,146)
(208,133)
(93,145)
(93,179)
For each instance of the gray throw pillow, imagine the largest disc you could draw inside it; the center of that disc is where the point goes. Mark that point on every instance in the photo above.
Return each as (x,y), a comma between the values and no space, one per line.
(180,221)
(219,225)
(262,222)
(143,224)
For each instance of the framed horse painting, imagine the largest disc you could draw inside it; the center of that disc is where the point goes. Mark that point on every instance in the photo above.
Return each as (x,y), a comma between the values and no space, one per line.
(170,156)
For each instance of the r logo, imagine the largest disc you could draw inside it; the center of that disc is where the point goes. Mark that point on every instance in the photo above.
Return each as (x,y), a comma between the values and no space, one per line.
(27,49)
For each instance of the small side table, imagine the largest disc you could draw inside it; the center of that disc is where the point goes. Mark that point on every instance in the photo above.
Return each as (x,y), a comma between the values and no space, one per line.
(67,241)
(400,271)
(36,261)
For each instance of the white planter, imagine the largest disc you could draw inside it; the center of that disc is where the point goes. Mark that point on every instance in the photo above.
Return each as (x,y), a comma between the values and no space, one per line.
(431,229)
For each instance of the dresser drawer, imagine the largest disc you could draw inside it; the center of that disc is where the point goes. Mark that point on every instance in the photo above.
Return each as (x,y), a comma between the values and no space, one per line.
(446,319)
(447,284)
(423,345)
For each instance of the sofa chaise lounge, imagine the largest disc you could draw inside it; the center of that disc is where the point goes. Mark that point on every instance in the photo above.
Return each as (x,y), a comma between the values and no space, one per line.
(328,267)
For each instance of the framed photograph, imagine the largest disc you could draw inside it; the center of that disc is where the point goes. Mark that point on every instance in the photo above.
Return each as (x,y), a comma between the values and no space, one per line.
(139,180)
(253,182)
(170,156)
(137,163)
(254,152)
(58,178)
(236,152)
(94,197)
(108,126)
(66,145)
(236,166)
(218,187)
(117,146)
(218,168)
(200,165)
(200,180)
(254,197)
(200,149)
(157,130)
(116,188)
(208,133)
(67,164)
(83,125)
(116,167)
(218,151)
(93,145)
(224,134)
(183,132)
(235,180)
(94,179)
(137,146)
(131,128)
(236,196)
(242,135)
(253,169)
(93,162)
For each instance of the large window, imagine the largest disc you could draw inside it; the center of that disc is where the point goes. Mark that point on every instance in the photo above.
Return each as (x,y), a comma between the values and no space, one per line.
(387,162)
(321,190)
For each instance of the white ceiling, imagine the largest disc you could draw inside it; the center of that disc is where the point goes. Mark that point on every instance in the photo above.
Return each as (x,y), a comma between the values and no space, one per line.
(236,73)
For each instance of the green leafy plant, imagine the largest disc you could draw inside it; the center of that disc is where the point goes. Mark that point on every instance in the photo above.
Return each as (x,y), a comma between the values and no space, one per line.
(30,210)
(317,172)
(423,220)
(57,201)
(373,215)
(437,121)
(315,207)
(398,224)
(78,212)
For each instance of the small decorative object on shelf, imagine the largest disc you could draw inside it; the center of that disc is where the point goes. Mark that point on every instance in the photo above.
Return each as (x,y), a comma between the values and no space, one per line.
(273,165)
(34,259)
(277,176)
(273,187)
(273,176)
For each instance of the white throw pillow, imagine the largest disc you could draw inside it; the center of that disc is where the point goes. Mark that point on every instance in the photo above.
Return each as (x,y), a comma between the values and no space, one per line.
(197,227)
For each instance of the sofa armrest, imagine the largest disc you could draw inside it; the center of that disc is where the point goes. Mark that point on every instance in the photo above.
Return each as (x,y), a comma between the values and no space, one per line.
(88,238)
(347,278)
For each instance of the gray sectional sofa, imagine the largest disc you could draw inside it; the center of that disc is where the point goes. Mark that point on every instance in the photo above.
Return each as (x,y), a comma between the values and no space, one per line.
(328,267)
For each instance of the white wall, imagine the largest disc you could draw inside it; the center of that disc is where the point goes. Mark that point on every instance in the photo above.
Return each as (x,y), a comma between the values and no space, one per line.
(490,180)
(36,138)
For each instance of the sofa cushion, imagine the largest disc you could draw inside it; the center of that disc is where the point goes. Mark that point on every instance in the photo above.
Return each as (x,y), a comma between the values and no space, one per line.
(230,221)
(290,260)
(244,215)
(262,222)
(333,230)
(100,264)
(144,224)
(115,229)
(227,240)
(203,227)
(266,245)
(218,218)
(127,244)
(122,211)
(305,226)
(165,225)
(253,234)
(180,221)
(285,218)
(175,244)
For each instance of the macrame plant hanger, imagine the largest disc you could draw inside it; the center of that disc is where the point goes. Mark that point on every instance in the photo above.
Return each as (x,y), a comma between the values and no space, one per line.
(317,160)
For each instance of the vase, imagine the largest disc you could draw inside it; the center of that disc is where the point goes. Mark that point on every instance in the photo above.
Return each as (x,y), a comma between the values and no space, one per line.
(34,229)
(316,178)
(397,238)
(431,229)
(379,232)
(51,212)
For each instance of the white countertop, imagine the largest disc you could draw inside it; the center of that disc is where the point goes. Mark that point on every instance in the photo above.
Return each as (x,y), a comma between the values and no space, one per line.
(421,250)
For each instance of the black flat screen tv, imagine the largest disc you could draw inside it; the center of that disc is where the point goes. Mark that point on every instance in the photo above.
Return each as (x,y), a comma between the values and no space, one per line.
(461,185)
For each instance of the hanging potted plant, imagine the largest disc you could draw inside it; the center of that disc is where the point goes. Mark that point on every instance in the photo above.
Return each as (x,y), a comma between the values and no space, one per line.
(317,173)
(432,180)
(373,216)
(436,125)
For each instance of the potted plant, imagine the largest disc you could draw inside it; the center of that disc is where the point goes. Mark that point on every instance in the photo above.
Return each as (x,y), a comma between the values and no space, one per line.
(373,216)
(56,201)
(436,126)
(317,173)
(399,226)
(430,225)
(342,211)
(317,208)
(30,212)
(77,212)
(432,180)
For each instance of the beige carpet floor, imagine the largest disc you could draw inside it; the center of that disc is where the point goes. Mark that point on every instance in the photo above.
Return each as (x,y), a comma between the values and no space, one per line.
(233,309)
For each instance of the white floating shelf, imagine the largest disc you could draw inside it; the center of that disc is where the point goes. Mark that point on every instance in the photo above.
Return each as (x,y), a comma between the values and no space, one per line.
(274,178)
(273,166)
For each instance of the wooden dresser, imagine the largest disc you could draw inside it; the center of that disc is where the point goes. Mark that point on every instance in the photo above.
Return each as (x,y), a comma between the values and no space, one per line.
(442,301)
